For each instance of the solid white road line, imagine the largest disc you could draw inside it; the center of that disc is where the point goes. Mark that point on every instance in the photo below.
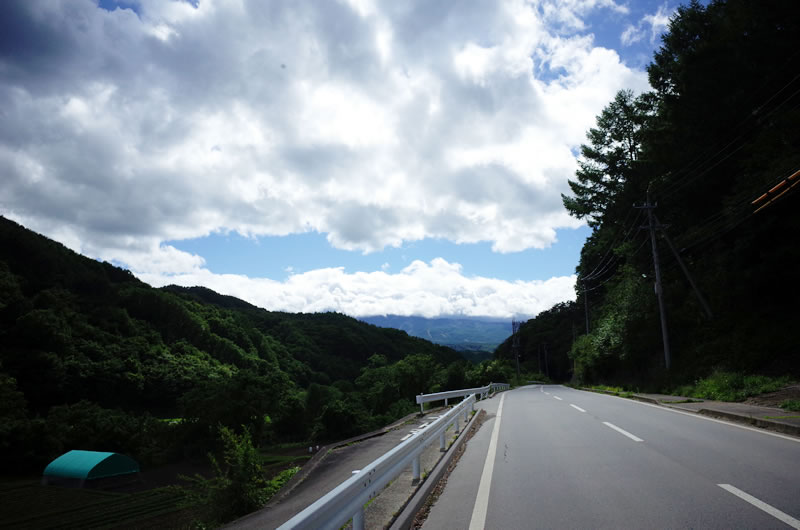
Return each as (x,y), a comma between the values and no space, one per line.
(761,505)
(558,398)
(478,520)
(622,431)
(576,407)
(699,417)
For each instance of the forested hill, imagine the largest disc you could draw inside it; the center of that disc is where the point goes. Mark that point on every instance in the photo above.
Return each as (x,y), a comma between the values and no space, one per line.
(91,357)
(713,152)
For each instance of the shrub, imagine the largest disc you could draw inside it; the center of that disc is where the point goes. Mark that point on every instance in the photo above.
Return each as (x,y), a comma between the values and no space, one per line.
(732,386)
(791,404)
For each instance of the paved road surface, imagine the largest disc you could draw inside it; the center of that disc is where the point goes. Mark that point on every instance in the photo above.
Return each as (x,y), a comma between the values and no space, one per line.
(564,458)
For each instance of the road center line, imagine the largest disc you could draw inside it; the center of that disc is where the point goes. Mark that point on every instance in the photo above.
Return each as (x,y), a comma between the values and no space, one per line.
(622,431)
(478,520)
(576,407)
(761,505)
(558,398)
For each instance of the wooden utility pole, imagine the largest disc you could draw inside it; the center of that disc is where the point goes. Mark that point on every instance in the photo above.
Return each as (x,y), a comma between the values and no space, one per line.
(659,294)
(586,306)
(515,324)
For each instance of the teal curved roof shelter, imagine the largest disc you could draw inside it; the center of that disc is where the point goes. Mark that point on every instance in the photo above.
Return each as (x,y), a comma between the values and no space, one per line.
(90,465)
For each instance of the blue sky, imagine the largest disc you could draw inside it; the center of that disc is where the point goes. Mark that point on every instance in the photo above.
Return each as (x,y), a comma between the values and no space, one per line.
(281,256)
(353,155)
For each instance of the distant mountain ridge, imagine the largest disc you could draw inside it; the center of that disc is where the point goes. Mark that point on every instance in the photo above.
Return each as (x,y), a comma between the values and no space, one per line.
(464,334)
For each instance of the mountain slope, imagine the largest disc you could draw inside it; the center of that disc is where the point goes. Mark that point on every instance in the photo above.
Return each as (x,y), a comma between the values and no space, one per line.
(91,355)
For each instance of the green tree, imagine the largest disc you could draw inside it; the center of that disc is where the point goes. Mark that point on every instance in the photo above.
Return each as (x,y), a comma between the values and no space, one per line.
(238,485)
(607,162)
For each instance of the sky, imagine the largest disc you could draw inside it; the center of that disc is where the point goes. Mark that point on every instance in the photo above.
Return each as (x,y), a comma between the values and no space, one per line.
(359,156)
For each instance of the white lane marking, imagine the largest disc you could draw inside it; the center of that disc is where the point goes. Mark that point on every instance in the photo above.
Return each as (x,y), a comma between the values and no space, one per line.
(414,431)
(548,393)
(558,398)
(576,407)
(623,431)
(478,520)
(761,505)
(699,417)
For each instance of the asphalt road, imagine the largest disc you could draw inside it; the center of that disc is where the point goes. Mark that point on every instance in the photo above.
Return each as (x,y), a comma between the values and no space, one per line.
(564,458)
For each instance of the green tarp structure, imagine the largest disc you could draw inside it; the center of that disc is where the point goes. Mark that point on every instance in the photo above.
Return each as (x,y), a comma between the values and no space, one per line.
(87,465)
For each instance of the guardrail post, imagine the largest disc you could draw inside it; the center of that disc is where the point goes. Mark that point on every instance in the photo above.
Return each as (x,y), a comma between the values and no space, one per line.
(421,409)
(456,424)
(358,519)
(466,418)
(442,448)
(445,402)
(415,471)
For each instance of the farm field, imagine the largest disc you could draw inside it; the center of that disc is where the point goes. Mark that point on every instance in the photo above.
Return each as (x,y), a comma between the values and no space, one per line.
(27,504)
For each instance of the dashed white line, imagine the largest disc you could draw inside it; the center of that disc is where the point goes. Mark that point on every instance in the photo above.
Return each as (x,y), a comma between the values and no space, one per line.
(558,398)
(576,407)
(478,520)
(761,505)
(704,418)
(623,432)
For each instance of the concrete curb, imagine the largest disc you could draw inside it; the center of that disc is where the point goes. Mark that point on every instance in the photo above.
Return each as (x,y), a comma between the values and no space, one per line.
(770,425)
(406,517)
(761,423)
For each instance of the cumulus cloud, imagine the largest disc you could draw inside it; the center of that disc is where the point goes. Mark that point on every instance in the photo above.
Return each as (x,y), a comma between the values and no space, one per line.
(373,124)
(426,289)
(377,124)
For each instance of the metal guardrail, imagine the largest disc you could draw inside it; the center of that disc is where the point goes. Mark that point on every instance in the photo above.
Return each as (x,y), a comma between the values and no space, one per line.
(347,500)
(450,394)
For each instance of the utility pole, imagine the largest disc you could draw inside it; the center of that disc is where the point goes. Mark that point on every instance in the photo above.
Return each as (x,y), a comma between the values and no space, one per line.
(515,341)
(661,310)
(586,305)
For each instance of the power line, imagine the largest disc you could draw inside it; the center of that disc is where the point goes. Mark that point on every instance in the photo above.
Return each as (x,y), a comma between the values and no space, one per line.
(689,172)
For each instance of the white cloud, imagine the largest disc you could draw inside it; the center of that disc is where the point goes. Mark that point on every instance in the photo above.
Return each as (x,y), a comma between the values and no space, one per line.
(657,23)
(631,35)
(425,289)
(377,124)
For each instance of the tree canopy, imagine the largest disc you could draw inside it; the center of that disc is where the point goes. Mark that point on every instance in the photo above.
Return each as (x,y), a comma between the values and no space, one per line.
(714,136)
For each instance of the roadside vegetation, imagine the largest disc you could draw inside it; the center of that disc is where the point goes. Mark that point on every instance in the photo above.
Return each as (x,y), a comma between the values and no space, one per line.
(703,148)
(731,386)
(94,359)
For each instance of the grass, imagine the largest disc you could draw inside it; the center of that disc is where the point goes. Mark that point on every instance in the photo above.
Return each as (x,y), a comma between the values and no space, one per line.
(780,417)
(791,404)
(606,388)
(732,386)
